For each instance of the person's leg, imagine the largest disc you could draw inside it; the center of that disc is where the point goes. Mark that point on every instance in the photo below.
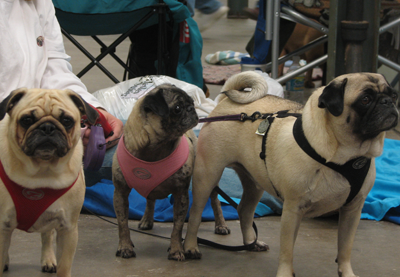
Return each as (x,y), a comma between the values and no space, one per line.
(190,4)
(208,12)
(207,6)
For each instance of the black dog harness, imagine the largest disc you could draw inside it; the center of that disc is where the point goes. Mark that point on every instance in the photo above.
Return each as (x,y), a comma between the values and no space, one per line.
(355,170)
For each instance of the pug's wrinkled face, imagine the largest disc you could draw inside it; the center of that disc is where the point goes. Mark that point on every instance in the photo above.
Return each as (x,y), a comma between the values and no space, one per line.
(174,109)
(45,124)
(365,101)
(376,107)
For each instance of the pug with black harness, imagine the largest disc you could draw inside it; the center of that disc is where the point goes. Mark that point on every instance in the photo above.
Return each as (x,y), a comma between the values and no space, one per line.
(317,159)
(42,185)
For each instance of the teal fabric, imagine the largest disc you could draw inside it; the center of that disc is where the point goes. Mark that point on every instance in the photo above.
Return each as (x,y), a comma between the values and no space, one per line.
(103,24)
(189,67)
(101,6)
(85,18)
(179,10)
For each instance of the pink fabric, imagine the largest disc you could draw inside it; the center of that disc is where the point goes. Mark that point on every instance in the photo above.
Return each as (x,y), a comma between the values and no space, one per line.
(30,203)
(145,176)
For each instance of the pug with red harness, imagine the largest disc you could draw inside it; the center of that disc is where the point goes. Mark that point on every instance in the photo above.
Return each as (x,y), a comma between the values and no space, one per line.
(42,185)
(156,157)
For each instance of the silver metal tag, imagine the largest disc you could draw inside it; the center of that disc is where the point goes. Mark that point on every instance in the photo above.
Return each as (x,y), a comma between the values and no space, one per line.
(263,127)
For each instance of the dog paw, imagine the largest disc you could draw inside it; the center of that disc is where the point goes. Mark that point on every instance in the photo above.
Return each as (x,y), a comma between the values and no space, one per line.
(126,252)
(193,254)
(145,225)
(222,230)
(177,256)
(49,268)
(259,246)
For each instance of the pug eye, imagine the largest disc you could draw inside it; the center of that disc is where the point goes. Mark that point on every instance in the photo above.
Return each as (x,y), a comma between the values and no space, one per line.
(67,122)
(26,121)
(177,109)
(366,100)
(394,97)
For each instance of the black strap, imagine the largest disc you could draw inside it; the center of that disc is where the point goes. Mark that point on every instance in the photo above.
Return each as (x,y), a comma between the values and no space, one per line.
(264,139)
(355,170)
(271,118)
(228,247)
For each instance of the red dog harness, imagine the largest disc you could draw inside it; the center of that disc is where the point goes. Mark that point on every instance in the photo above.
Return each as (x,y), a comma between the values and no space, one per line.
(30,203)
(145,176)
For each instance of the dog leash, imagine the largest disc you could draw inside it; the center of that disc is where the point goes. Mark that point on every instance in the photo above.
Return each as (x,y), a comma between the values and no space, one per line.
(228,247)
(199,240)
(234,117)
(262,129)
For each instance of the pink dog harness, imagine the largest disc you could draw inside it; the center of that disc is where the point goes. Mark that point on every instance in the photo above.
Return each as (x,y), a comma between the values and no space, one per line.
(30,203)
(145,176)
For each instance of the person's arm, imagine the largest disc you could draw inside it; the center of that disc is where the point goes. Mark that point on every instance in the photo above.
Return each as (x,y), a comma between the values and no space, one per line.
(58,72)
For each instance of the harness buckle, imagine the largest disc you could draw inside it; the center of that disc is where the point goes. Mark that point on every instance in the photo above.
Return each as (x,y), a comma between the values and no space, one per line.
(253,117)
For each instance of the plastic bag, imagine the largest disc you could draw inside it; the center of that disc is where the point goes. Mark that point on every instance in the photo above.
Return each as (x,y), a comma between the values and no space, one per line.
(120,99)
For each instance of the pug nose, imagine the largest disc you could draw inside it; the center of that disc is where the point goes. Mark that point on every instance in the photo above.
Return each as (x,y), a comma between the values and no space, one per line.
(48,128)
(190,108)
(386,101)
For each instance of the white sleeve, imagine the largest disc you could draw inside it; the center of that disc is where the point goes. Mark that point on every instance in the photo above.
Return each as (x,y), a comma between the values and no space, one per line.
(58,71)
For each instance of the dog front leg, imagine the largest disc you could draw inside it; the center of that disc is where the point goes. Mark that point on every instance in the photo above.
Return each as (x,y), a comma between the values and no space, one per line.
(181,206)
(349,218)
(67,240)
(220,225)
(290,223)
(5,239)
(147,221)
(121,207)
(48,261)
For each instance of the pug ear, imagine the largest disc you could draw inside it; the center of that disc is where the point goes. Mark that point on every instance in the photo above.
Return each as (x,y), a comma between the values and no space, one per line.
(156,103)
(85,108)
(10,101)
(332,97)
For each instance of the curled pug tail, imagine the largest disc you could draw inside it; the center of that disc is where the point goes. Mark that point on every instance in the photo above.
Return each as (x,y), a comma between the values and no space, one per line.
(245,87)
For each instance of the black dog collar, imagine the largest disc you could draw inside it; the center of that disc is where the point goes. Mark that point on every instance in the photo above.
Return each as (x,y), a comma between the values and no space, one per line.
(355,170)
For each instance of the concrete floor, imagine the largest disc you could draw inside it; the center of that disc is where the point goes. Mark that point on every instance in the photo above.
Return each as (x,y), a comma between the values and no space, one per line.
(375,251)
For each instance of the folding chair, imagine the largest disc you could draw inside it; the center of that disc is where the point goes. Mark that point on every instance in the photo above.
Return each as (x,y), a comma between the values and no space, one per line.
(122,17)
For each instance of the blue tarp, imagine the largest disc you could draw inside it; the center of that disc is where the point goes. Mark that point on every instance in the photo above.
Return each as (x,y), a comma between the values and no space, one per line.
(385,194)
(99,199)
(383,202)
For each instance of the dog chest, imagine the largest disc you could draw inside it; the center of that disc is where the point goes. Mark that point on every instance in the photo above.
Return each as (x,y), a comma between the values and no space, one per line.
(51,219)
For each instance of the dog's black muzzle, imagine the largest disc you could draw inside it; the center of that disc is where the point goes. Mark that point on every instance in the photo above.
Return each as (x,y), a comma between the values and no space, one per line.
(383,117)
(46,142)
